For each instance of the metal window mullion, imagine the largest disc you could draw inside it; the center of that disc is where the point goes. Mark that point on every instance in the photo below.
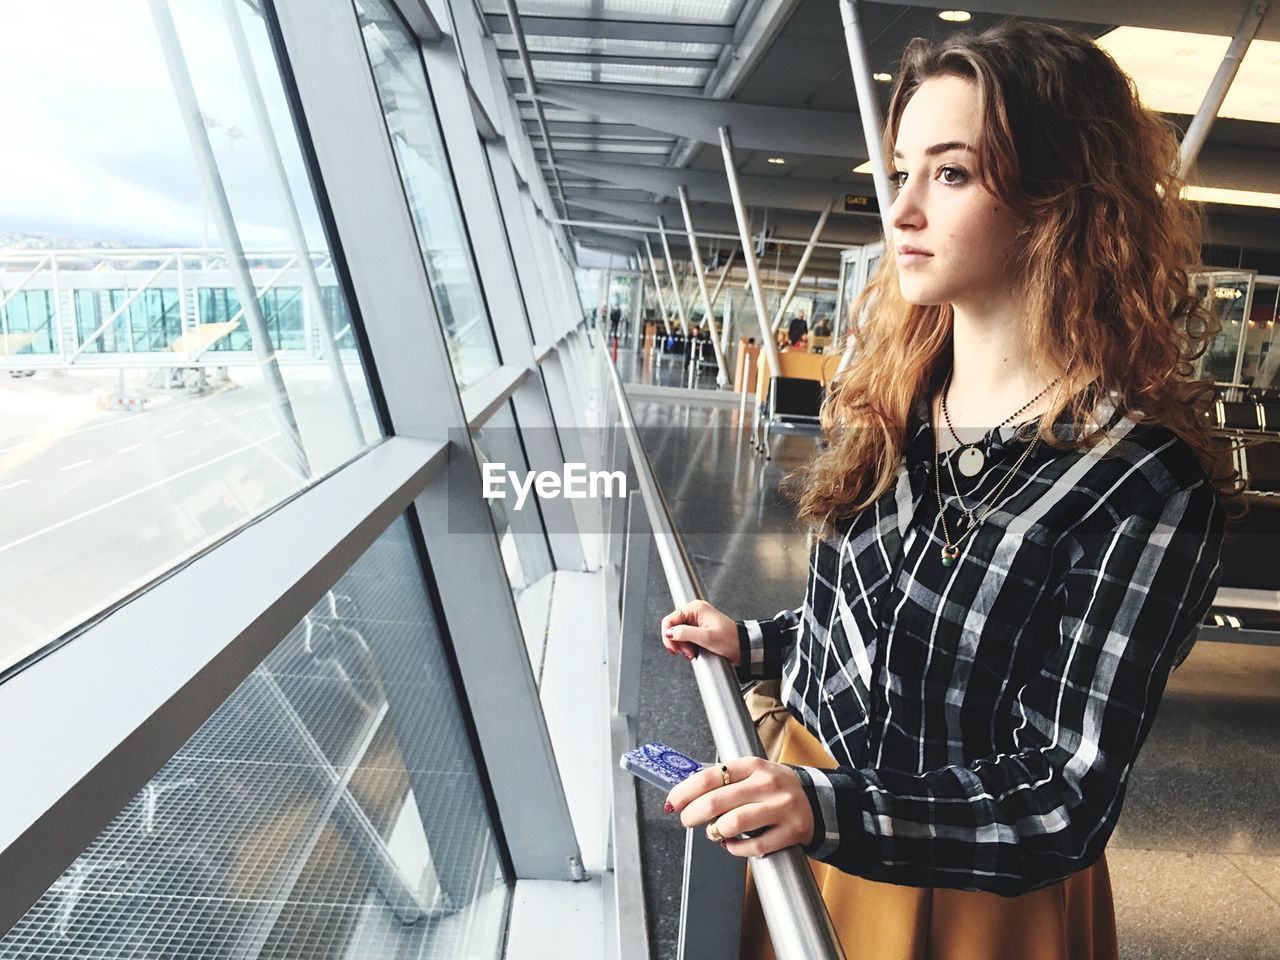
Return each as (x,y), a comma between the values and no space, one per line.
(87,747)
(355,160)
(502,286)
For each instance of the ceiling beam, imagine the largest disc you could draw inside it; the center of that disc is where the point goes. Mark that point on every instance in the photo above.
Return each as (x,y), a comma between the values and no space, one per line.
(608,59)
(754,126)
(705,185)
(661,32)
(1190,16)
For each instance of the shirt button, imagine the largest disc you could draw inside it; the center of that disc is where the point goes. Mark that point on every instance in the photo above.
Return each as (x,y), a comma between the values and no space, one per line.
(826,697)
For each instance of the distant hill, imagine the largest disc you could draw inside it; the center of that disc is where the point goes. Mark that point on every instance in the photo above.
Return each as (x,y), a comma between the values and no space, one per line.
(37,241)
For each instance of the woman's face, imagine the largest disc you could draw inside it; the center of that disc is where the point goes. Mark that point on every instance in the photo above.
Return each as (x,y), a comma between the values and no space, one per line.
(941,208)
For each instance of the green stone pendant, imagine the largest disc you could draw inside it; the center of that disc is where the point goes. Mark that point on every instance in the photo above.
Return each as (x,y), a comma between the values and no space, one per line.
(949,554)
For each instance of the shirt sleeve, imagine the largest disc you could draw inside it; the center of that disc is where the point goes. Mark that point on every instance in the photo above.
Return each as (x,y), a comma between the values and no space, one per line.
(763,645)
(1131,606)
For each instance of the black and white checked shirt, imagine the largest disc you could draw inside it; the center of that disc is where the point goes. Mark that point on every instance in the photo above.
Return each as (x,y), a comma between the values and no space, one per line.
(985,717)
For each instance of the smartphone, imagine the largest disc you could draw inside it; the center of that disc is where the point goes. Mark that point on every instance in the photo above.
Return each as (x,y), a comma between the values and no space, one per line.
(659,764)
(664,767)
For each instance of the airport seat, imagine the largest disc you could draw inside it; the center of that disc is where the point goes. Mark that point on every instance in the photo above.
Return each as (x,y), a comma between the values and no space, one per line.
(795,402)
(1270,415)
(1241,415)
(1262,467)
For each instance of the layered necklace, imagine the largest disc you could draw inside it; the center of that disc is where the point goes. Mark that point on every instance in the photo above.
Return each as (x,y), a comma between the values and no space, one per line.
(972,461)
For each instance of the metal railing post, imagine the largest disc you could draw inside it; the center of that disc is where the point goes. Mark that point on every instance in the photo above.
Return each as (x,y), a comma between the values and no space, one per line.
(799,925)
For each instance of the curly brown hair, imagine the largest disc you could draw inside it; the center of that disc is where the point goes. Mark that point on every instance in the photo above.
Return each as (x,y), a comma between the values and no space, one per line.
(1106,248)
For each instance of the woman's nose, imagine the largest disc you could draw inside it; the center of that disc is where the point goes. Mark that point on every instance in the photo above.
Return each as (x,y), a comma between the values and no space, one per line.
(906,211)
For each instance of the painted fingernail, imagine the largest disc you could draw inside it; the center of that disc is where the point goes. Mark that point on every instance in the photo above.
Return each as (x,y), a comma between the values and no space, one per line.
(688,656)
(725,844)
(668,807)
(669,635)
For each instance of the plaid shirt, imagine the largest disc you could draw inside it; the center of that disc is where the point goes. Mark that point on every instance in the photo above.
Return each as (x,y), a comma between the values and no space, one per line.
(984,717)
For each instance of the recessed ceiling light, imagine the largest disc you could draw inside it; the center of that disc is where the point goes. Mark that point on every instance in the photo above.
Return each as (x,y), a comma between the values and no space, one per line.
(863,168)
(882,77)
(776,160)
(1242,198)
(955,16)
(1173,70)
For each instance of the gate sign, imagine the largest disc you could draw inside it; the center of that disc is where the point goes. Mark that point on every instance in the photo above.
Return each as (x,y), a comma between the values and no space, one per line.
(853,203)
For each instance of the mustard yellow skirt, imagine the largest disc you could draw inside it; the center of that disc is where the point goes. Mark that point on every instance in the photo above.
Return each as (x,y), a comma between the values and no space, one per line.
(1071,920)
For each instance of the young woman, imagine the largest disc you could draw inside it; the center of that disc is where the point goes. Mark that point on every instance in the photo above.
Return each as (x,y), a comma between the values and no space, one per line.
(1017,523)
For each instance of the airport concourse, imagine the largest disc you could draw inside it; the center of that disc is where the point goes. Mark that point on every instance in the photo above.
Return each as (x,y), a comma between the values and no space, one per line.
(456,456)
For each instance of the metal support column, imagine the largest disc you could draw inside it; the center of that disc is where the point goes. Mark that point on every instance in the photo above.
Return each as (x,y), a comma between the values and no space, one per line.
(275,165)
(872,128)
(657,285)
(868,108)
(767,344)
(800,267)
(207,165)
(722,377)
(671,272)
(1198,132)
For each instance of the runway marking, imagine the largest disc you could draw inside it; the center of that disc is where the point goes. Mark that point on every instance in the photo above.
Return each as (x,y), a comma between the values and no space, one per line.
(131,447)
(128,496)
(16,483)
(82,463)
(176,433)
(245,413)
(210,423)
(43,438)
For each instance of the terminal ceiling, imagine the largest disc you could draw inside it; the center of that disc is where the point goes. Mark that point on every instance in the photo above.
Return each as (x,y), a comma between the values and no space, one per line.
(777,73)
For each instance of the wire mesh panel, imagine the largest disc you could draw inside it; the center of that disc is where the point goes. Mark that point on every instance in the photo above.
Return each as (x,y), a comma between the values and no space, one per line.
(330,808)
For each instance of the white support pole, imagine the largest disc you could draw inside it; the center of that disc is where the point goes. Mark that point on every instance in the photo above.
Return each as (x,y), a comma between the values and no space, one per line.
(804,262)
(675,284)
(728,323)
(280,180)
(722,376)
(767,345)
(1198,131)
(872,128)
(657,285)
(281,410)
(715,294)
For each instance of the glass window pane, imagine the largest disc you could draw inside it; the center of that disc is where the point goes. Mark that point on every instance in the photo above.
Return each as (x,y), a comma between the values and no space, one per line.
(331,808)
(521,535)
(428,183)
(146,413)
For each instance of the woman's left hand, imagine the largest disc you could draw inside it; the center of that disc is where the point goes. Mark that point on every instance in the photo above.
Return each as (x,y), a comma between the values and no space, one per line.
(759,794)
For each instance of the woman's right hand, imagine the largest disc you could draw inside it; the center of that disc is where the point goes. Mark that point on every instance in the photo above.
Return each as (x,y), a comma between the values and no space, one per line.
(700,625)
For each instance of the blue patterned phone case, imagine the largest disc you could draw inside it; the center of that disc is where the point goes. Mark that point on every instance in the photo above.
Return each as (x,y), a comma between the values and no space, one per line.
(658,764)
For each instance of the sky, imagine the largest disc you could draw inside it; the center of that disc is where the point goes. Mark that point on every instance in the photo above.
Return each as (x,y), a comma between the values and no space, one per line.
(94,145)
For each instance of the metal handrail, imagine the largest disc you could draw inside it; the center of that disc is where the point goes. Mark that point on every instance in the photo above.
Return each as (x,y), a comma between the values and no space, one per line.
(799,924)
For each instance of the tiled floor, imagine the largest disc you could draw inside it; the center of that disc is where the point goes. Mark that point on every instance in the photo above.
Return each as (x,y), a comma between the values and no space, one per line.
(1195,861)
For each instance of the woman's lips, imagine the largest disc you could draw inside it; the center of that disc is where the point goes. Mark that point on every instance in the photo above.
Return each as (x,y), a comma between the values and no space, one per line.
(911,259)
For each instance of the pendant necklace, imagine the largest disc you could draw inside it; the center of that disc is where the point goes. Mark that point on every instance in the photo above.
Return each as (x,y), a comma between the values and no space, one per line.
(971,463)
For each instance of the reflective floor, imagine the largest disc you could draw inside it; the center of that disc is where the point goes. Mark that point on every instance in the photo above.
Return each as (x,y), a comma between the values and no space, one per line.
(1195,861)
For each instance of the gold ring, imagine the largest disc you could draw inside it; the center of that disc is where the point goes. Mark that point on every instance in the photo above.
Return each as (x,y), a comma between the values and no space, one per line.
(713,834)
(724,775)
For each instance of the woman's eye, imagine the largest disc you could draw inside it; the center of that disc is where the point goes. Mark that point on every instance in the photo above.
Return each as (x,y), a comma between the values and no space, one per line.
(959,175)
(896,178)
